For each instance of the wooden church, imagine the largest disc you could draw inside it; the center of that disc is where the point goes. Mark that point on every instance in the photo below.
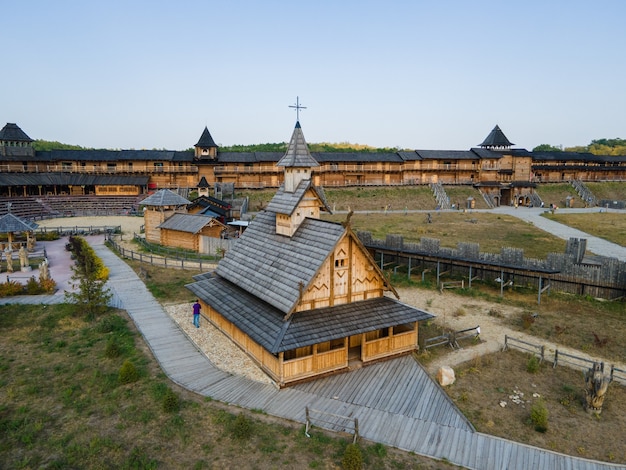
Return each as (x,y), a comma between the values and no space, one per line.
(302,296)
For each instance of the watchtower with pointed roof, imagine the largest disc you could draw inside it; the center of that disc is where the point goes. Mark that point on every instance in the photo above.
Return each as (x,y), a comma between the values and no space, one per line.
(203,187)
(496,140)
(158,207)
(206,148)
(14,141)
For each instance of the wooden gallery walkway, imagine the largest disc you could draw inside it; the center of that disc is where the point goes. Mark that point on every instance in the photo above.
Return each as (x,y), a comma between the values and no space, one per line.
(396,402)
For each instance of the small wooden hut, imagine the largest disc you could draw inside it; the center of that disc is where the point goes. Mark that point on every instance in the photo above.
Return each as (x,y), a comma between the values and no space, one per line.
(157,208)
(302,296)
(191,232)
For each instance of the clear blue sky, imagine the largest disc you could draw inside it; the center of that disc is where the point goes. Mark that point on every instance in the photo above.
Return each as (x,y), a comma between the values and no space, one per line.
(412,74)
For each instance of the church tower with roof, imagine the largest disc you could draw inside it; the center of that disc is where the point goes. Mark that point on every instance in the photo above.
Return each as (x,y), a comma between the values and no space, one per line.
(206,148)
(297,198)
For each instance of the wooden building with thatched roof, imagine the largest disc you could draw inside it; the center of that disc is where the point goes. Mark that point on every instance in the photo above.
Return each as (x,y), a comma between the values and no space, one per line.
(302,296)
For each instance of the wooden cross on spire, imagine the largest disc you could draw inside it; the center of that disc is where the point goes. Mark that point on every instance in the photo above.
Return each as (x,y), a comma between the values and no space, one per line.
(297,107)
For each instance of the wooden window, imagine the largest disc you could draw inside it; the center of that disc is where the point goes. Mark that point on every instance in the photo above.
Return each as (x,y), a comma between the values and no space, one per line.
(406,327)
(298,353)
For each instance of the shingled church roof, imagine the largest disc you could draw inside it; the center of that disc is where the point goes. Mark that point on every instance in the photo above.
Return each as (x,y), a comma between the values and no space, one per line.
(272,267)
(297,154)
(285,202)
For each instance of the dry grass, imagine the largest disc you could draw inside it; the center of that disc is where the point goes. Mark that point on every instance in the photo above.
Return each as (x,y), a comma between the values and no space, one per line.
(62,406)
(452,228)
(594,327)
(482,385)
(608,225)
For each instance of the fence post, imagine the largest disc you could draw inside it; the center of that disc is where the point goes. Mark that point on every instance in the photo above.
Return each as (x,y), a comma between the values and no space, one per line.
(543,349)
(505,342)
(356,430)
(306,429)
(556,359)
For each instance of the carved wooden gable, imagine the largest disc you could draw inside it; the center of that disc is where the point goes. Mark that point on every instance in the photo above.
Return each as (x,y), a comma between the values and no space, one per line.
(349,274)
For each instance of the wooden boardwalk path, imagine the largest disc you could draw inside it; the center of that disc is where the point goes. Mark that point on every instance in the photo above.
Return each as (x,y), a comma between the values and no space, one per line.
(395,401)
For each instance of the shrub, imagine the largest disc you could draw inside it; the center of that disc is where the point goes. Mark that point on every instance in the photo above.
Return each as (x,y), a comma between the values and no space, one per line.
(48,285)
(352,458)
(32,286)
(241,427)
(539,416)
(10,288)
(494,312)
(48,236)
(128,373)
(378,449)
(113,348)
(527,320)
(171,403)
(532,365)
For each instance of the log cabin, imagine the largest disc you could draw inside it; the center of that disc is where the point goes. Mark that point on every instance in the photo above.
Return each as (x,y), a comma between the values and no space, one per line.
(302,296)
(157,208)
(191,232)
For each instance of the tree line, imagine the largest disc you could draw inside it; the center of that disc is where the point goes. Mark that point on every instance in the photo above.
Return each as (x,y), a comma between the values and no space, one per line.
(596,147)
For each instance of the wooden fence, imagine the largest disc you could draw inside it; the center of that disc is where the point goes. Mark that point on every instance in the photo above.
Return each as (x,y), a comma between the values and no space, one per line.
(162,261)
(81,230)
(221,246)
(559,271)
(534,349)
(451,339)
(562,357)
(332,422)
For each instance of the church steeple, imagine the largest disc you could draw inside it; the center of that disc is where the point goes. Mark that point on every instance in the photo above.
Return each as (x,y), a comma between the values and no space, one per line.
(297,161)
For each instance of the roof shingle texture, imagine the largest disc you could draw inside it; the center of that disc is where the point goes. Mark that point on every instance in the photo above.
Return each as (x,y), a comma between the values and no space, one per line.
(11,132)
(271,266)
(297,154)
(165,197)
(189,223)
(11,223)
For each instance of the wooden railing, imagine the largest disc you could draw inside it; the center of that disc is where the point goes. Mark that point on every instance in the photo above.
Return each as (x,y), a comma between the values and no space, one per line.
(96,169)
(310,365)
(389,344)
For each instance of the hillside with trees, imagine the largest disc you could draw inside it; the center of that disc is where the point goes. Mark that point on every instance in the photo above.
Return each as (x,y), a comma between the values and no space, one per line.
(596,147)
